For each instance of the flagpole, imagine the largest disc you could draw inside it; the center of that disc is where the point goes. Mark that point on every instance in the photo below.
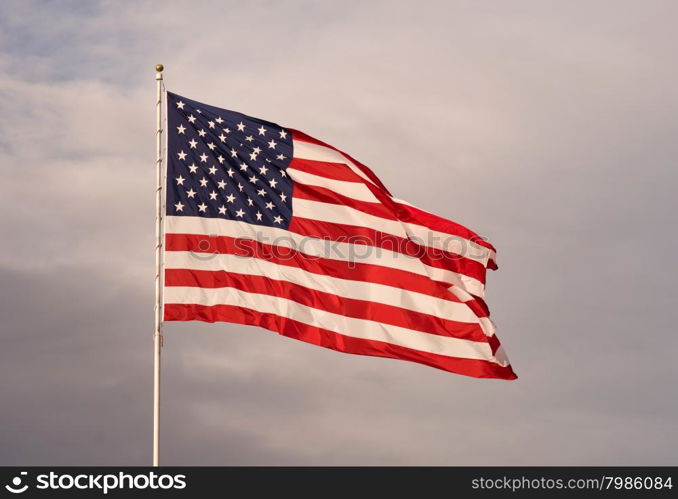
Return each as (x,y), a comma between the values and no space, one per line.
(157,335)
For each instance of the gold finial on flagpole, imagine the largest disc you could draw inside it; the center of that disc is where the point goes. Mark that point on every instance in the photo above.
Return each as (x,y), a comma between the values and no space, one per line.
(159,68)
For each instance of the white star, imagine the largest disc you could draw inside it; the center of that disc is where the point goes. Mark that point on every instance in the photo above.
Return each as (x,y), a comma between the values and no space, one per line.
(220,159)
(253,179)
(234,153)
(191,118)
(180,104)
(230,198)
(198,111)
(179,206)
(182,155)
(253,156)
(192,143)
(210,124)
(283,197)
(222,137)
(250,202)
(263,170)
(273,183)
(219,120)
(213,170)
(269,205)
(203,182)
(262,130)
(277,219)
(240,213)
(193,168)
(191,193)
(227,131)
(249,138)
(241,127)
(240,187)
(261,192)
(203,158)
(202,133)
(280,157)
(213,195)
(202,207)
(259,215)
(180,180)
(243,167)
(181,129)
(222,210)
(230,172)
(283,134)
(283,173)
(257,150)
(268,160)
(221,184)
(211,146)
(272,144)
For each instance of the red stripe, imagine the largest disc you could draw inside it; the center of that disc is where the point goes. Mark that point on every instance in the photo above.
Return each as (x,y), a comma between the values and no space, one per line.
(479,306)
(494,344)
(324,266)
(349,307)
(336,171)
(325,195)
(364,235)
(335,341)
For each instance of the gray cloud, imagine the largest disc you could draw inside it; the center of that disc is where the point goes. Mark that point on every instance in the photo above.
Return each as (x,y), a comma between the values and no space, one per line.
(547,127)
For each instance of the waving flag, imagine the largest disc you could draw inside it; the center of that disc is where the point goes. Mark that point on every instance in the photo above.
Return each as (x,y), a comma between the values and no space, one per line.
(270,227)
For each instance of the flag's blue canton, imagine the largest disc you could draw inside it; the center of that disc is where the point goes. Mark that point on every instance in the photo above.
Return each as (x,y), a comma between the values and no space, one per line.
(223,164)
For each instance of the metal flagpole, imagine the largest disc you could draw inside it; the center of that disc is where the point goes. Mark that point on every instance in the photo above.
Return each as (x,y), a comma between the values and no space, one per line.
(157,335)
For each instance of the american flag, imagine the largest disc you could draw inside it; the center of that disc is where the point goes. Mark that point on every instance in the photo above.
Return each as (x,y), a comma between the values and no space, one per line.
(268,226)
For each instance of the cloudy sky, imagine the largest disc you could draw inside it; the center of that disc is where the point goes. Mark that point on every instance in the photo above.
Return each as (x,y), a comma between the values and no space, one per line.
(549,127)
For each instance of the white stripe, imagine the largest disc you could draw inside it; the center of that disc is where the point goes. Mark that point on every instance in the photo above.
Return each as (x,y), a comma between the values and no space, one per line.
(307,150)
(359,290)
(464,282)
(353,190)
(349,326)
(340,214)
(318,248)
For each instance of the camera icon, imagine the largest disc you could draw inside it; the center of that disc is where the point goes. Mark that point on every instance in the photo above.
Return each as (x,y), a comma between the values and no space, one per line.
(15,487)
